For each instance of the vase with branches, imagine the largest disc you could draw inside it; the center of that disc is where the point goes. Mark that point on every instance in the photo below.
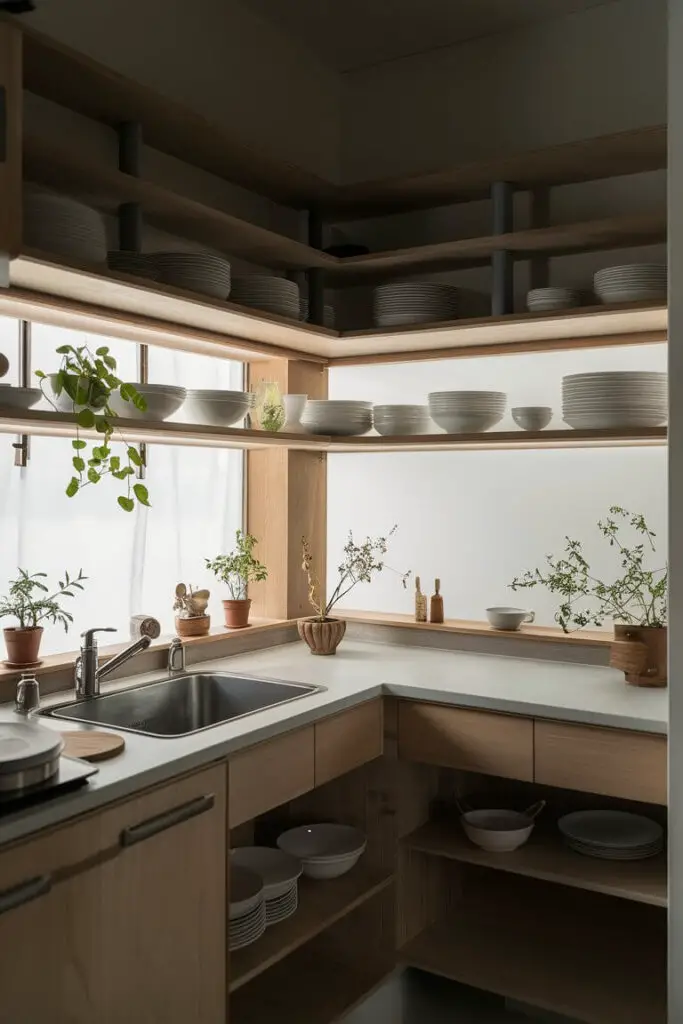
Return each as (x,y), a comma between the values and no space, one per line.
(237,570)
(31,602)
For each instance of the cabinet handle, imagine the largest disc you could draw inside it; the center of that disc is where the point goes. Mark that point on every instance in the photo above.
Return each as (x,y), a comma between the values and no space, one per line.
(147,829)
(3,124)
(25,892)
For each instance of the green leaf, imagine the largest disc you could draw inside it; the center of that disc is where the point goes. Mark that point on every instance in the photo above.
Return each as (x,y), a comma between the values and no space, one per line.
(72,487)
(102,425)
(102,350)
(127,391)
(64,350)
(78,444)
(78,464)
(134,456)
(39,373)
(127,504)
(93,475)
(141,494)
(110,361)
(86,419)
(115,463)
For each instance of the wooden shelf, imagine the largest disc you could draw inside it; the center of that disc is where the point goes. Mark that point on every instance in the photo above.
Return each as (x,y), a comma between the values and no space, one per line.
(547,858)
(574,958)
(321,904)
(605,156)
(503,440)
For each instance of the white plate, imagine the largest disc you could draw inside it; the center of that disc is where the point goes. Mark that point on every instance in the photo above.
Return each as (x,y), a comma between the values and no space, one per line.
(619,830)
(277,869)
(246,891)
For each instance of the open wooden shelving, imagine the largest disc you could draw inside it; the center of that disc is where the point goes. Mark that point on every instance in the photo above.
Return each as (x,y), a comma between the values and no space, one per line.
(321,904)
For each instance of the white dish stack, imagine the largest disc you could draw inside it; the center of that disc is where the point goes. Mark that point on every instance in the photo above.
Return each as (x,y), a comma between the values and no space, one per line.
(268,293)
(328,313)
(65,227)
(547,300)
(612,835)
(632,282)
(402,419)
(325,850)
(279,873)
(468,412)
(139,264)
(247,912)
(616,398)
(341,418)
(418,302)
(196,271)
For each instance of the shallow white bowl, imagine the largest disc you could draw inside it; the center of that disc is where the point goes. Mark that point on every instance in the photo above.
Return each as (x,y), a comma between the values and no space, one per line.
(466,422)
(217,408)
(162,401)
(325,850)
(498,831)
(19,398)
(532,417)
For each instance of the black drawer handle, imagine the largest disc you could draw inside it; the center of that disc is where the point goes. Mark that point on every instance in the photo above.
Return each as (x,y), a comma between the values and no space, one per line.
(24,893)
(147,829)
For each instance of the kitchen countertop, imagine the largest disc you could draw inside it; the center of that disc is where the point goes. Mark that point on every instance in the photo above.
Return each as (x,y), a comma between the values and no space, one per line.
(542,689)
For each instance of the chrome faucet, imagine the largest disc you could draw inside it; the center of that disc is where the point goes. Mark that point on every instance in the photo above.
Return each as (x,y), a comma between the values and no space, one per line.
(176,656)
(87,670)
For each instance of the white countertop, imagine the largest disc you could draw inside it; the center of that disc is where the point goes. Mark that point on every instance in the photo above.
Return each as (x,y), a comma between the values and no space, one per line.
(359,671)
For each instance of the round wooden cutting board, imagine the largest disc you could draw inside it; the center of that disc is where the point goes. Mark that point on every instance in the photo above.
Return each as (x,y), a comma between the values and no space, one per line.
(92,746)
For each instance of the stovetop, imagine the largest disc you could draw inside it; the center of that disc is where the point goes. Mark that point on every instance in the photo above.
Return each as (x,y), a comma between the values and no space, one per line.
(71,774)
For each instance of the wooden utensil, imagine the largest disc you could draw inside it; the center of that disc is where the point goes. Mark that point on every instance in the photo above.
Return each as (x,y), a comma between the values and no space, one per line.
(92,745)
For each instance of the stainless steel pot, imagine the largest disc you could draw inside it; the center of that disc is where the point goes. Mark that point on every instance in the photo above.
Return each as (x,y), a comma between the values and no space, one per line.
(29,755)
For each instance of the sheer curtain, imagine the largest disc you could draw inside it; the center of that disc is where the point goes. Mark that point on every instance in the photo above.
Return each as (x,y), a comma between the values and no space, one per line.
(133,561)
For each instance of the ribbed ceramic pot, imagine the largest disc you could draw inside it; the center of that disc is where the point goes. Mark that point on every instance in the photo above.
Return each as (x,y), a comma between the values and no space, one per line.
(323,636)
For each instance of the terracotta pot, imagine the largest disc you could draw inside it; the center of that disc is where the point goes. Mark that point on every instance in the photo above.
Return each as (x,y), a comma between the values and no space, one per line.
(23,645)
(237,613)
(323,636)
(641,654)
(198,625)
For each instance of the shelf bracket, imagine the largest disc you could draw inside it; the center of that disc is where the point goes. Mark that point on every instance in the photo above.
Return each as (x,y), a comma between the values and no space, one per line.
(22,445)
(502,266)
(314,276)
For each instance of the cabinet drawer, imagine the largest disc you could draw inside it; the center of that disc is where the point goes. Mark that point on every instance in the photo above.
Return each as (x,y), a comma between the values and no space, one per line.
(474,741)
(270,774)
(631,765)
(347,740)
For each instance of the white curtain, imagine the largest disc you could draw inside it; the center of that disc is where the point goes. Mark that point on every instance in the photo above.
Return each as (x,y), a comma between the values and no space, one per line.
(133,560)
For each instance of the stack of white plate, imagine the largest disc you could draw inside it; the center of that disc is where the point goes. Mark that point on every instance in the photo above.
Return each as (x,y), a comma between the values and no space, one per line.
(468,412)
(328,313)
(271,294)
(415,302)
(342,418)
(196,271)
(279,872)
(217,408)
(620,398)
(402,419)
(57,224)
(247,911)
(612,835)
(633,282)
(545,300)
(325,850)
(137,263)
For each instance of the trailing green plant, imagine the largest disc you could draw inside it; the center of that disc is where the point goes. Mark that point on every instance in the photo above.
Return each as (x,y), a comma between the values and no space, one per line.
(359,564)
(30,602)
(89,379)
(638,595)
(240,568)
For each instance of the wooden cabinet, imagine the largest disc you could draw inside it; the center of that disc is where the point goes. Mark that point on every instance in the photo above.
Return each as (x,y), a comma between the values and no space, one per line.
(613,762)
(348,740)
(121,916)
(475,741)
(270,774)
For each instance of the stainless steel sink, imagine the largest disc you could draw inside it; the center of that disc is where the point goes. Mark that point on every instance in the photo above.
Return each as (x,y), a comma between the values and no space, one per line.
(181,705)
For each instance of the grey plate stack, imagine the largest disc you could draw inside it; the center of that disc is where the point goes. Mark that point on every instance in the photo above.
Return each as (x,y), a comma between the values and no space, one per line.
(65,227)
(633,282)
(415,302)
(402,419)
(467,412)
(612,835)
(268,293)
(328,313)
(547,300)
(621,398)
(196,271)
(342,418)
(137,263)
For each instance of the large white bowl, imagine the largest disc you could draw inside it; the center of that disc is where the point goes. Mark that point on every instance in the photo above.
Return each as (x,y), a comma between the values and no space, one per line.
(466,422)
(498,831)
(325,850)
(18,398)
(217,408)
(162,401)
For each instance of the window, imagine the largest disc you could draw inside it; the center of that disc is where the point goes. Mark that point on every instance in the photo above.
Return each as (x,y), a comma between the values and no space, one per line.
(133,561)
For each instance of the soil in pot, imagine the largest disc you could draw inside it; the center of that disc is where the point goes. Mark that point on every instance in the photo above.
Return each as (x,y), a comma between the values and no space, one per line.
(23,646)
(323,636)
(237,613)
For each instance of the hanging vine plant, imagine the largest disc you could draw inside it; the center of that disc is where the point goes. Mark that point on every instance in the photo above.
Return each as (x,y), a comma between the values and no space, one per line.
(89,379)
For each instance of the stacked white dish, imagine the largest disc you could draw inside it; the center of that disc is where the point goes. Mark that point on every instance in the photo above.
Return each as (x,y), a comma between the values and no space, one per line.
(326,850)
(612,835)
(328,313)
(60,225)
(414,302)
(269,293)
(633,282)
(617,398)
(18,398)
(196,271)
(247,912)
(342,418)
(545,300)
(216,408)
(162,401)
(137,263)
(468,412)
(280,874)
(402,419)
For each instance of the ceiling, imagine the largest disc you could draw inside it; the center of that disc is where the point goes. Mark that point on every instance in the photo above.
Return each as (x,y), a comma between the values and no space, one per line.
(350,34)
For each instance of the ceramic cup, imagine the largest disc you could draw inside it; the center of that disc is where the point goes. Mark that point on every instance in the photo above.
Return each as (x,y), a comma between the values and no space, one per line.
(294,407)
(509,618)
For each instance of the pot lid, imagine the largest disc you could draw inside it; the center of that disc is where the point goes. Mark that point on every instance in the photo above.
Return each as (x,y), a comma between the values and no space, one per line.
(24,745)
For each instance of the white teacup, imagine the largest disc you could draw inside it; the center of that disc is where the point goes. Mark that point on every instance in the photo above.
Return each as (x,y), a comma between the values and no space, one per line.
(509,618)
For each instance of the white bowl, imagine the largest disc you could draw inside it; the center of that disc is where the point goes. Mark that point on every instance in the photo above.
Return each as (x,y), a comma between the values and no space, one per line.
(498,831)
(532,417)
(466,422)
(162,401)
(325,850)
(18,398)
(217,408)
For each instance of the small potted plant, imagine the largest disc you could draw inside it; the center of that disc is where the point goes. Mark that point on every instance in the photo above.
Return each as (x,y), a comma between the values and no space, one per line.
(237,570)
(636,600)
(322,632)
(30,602)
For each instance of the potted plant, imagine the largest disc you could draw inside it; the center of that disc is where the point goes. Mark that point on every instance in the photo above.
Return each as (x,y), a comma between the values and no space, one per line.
(30,602)
(322,632)
(636,600)
(237,570)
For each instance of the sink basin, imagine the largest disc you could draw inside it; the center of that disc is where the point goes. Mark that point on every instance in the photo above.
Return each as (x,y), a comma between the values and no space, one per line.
(180,705)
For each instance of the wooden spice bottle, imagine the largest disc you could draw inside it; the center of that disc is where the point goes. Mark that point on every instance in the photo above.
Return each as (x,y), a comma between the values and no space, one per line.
(420,602)
(436,604)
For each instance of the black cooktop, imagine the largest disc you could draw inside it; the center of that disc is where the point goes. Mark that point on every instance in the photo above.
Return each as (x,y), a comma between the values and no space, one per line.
(71,774)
